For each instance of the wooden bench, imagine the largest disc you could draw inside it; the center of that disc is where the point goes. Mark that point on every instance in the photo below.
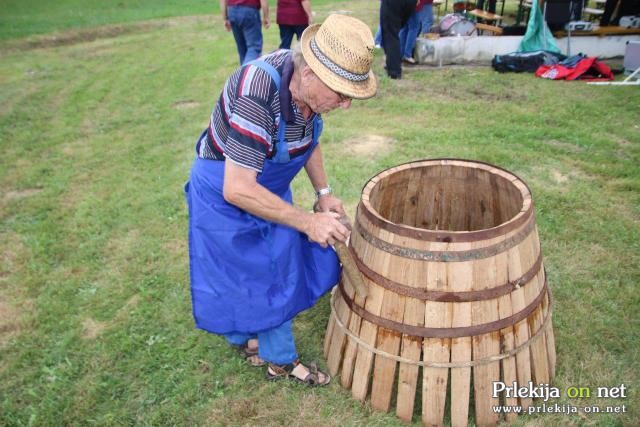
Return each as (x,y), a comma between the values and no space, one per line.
(487,16)
(496,31)
(592,12)
(610,30)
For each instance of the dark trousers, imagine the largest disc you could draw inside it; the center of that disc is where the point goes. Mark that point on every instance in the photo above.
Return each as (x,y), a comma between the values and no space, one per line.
(627,7)
(394,15)
(490,9)
(287,32)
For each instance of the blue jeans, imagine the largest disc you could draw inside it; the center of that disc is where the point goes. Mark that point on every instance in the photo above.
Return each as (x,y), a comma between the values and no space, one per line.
(427,18)
(418,22)
(274,345)
(245,24)
(287,32)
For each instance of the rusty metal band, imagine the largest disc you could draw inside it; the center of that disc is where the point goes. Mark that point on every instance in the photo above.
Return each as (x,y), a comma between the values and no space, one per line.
(424,332)
(440,296)
(446,256)
(448,236)
(444,236)
(546,323)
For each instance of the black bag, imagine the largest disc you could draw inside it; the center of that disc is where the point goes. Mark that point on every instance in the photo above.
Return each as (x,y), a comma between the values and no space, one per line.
(525,61)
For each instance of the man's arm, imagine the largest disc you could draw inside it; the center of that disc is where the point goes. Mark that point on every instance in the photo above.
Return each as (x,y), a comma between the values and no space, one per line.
(318,178)
(225,18)
(242,190)
(264,5)
(306,5)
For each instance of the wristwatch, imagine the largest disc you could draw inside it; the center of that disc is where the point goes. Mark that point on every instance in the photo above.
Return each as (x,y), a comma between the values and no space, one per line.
(324,191)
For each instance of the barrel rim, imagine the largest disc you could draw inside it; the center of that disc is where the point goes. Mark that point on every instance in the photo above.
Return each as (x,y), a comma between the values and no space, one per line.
(447,236)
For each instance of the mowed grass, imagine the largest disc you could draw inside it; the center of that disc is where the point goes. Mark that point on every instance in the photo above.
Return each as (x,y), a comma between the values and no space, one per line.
(97,139)
(25,18)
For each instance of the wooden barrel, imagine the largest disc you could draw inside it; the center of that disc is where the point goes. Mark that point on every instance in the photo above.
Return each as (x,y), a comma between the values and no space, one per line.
(457,298)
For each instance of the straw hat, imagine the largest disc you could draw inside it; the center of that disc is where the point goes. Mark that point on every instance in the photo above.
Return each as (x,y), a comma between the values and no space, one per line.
(340,53)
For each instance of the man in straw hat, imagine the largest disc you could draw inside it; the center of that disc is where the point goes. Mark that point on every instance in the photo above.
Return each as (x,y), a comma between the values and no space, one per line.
(256,260)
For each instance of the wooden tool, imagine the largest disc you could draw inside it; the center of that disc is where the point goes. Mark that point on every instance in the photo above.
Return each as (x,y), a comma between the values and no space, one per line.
(349,266)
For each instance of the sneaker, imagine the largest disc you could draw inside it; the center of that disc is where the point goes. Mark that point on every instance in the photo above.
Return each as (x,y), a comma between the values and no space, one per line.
(409,60)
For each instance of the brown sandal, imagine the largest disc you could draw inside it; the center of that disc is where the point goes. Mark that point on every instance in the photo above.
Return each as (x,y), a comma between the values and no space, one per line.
(312,379)
(250,355)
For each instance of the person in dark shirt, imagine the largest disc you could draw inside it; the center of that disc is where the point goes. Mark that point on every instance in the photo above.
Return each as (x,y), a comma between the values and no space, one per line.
(293,17)
(256,260)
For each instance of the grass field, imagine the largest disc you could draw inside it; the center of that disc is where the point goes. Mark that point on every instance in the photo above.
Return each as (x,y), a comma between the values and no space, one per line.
(97,131)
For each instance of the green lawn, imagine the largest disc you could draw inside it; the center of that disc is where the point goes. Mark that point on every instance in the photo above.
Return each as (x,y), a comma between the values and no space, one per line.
(97,136)
(20,18)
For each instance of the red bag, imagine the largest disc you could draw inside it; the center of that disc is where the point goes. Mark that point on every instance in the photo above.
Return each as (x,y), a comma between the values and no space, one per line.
(587,68)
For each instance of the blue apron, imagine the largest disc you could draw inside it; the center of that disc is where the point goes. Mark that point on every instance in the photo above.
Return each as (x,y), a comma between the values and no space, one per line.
(248,274)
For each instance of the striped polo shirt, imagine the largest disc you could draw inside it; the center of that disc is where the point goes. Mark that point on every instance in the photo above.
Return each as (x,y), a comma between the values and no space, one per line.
(243,126)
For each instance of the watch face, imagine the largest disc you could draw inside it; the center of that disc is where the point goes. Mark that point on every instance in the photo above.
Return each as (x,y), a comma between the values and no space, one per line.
(324,191)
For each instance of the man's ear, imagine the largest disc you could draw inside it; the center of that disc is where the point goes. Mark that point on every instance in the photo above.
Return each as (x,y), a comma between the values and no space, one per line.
(307,75)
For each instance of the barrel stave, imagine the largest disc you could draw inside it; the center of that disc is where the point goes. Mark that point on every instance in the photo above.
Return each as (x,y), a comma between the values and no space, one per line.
(460,280)
(338,337)
(434,379)
(485,273)
(368,331)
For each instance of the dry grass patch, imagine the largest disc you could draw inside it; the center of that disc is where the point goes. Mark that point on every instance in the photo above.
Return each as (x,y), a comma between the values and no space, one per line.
(622,142)
(11,251)
(72,37)
(186,104)
(21,194)
(565,146)
(13,306)
(128,307)
(293,407)
(367,145)
(559,177)
(92,329)
(85,35)
(9,316)
(122,248)
(12,322)
(177,247)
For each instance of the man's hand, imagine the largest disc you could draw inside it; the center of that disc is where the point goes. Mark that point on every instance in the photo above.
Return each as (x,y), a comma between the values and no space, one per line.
(326,229)
(264,5)
(330,203)
(225,17)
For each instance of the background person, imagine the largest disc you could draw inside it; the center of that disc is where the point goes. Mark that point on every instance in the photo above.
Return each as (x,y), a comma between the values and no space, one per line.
(242,17)
(394,14)
(293,17)
(419,22)
(255,259)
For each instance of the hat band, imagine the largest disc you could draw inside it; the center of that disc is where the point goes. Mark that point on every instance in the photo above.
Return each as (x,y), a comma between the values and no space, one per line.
(335,68)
